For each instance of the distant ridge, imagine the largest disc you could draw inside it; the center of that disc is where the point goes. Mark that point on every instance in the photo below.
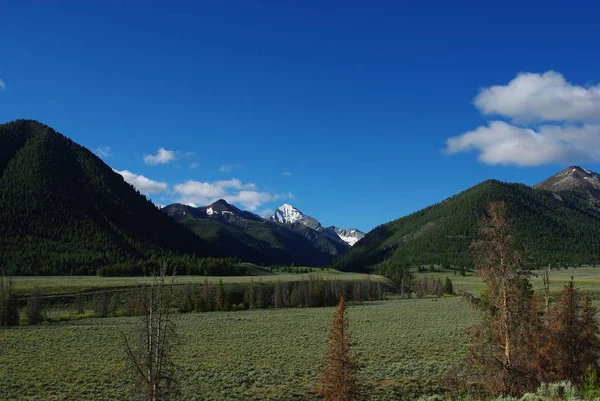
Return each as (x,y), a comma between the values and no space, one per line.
(243,234)
(288,214)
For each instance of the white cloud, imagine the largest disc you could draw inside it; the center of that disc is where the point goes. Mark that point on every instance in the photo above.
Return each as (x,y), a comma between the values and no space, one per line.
(228,167)
(194,165)
(553,122)
(2,84)
(502,143)
(233,191)
(162,156)
(265,212)
(141,183)
(104,152)
(532,97)
(286,173)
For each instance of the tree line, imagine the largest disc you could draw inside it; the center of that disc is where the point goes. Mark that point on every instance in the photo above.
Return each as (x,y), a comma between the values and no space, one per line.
(207,297)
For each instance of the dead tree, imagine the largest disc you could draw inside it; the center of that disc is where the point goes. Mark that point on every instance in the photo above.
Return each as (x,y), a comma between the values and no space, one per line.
(149,348)
(500,350)
(338,380)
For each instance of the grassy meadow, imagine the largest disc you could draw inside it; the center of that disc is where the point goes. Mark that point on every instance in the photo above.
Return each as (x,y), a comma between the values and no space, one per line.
(60,285)
(271,354)
(262,354)
(586,278)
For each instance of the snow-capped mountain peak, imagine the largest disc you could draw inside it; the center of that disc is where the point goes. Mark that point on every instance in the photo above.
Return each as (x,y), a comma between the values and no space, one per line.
(349,235)
(288,214)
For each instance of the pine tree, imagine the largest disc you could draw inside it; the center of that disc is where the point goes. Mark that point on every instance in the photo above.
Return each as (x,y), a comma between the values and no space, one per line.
(278,296)
(9,311)
(338,380)
(207,295)
(220,296)
(573,345)
(448,289)
(79,303)
(34,307)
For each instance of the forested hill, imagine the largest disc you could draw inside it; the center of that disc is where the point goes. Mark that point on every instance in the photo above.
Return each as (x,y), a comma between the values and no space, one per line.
(555,229)
(62,210)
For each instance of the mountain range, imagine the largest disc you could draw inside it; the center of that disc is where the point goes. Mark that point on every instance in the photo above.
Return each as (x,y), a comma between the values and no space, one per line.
(299,240)
(288,214)
(558,220)
(64,211)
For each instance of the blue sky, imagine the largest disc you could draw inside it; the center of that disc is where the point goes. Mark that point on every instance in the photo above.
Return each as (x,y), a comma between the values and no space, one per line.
(341,109)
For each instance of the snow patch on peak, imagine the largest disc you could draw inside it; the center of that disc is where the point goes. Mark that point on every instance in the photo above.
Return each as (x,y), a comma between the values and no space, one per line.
(210,211)
(348,240)
(349,235)
(288,214)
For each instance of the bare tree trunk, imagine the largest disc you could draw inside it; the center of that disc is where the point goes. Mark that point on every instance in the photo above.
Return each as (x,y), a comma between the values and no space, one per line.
(546,281)
(150,356)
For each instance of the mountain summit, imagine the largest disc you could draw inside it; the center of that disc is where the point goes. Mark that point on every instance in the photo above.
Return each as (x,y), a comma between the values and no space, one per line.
(248,236)
(579,180)
(288,214)
(572,178)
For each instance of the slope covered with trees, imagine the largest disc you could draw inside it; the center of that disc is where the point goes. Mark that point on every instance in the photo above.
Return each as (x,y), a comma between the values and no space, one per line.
(63,210)
(555,229)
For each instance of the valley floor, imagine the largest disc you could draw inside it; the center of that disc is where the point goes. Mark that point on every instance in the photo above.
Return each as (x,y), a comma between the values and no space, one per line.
(251,355)
(56,285)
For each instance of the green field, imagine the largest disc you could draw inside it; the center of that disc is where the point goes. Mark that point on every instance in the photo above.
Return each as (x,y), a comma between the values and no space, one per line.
(58,285)
(268,354)
(587,279)
(259,354)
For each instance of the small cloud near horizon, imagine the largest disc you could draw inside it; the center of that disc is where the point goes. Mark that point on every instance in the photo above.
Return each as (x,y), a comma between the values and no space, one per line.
(104,152)
(143,184)
(194,165)
(228,167)
(265,212)
(286,174)
(2,84)
(162,156)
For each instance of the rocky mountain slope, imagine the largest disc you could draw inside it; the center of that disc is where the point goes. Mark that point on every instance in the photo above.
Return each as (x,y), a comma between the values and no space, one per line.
(250,237)
(577,181)
(288,214)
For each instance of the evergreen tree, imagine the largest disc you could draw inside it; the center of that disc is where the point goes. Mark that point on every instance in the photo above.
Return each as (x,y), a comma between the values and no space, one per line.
(9,312)
(34,307)
(572,342)
(448,289)
(220,296)
(207,295)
